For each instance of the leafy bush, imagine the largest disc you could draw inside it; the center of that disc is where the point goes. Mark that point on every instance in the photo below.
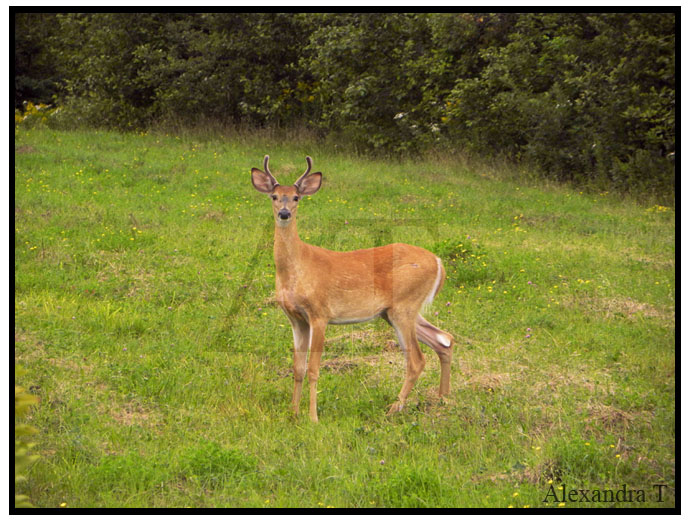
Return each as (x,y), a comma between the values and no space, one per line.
(37,74)
(585,98)
(34,114)
(22,457)
(184,67)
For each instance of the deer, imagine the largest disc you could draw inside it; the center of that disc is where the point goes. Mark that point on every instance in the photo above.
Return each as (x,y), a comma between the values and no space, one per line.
(316,287)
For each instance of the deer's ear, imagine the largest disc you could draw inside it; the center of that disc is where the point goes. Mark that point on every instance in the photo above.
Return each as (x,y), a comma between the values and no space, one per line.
(310,184)
(262,181)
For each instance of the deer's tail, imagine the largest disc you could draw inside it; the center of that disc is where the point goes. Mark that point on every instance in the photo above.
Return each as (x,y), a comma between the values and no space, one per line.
(426,333)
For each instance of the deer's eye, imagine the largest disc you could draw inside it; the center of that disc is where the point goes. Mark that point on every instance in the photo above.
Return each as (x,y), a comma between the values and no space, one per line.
(296,198)
(274,197)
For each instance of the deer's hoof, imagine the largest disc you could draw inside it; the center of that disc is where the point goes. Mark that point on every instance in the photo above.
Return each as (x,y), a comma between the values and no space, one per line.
(395,407)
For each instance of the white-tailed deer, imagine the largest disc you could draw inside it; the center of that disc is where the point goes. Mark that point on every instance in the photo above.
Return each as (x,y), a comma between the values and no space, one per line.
(316,287)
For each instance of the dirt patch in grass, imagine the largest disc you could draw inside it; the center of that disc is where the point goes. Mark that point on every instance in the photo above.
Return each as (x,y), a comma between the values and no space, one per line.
(114,260)
(22,336)
(519,473)
(373,337)
(215,215)
(563,379)
(117,267)
(655,262)
(141,284)
(488,381)
(435,405)
(131,414)
(71,365)
(270,300)
(613,419)
(28,347)
(54,255)
(287,168)
(411,199)
(623,307)
(344,364)
(24,149)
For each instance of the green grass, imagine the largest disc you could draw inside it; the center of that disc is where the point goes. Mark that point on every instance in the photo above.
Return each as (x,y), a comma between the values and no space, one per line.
(144,313)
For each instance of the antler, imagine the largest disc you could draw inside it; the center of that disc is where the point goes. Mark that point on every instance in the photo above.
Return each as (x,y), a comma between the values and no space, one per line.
(309,167)
(267,171)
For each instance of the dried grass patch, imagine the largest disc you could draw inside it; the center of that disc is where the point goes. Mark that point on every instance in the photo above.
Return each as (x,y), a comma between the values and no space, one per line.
(526,474)
(370,336)
(55,255)
(611,418)
(344,364)
(140,284)
(24,149)
(131,414)
(71,365)
(486,381)
(626,307)
(553,382)
(214,215)
(656,262)
(288,168)
(34,349)
(117,267)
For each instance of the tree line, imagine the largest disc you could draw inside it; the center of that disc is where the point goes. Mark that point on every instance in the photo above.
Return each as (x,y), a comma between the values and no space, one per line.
(583,97)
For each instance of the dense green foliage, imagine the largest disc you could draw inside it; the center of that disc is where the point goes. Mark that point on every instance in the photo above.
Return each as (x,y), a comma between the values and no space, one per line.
(588,98)
(36,73)
(23,459)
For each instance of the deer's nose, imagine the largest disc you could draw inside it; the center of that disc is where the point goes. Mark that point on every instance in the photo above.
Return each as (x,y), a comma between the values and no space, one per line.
(283,214)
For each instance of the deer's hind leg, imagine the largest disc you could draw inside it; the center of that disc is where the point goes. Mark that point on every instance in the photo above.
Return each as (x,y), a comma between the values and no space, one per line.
(404,324)
(442,344)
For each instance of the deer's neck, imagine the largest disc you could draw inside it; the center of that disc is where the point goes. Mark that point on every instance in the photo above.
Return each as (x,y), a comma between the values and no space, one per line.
(287,246)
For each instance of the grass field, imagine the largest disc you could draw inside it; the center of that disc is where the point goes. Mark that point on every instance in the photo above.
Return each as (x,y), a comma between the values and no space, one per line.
(144,315)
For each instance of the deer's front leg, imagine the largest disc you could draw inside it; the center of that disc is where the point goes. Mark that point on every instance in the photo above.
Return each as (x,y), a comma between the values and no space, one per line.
(301,331)
(317,329)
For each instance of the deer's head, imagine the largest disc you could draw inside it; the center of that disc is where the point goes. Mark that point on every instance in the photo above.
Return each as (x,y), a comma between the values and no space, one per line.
(285,198)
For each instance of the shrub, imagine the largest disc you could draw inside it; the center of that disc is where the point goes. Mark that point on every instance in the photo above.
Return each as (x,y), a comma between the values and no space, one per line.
(586,98)
(34,114)
(22,432)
